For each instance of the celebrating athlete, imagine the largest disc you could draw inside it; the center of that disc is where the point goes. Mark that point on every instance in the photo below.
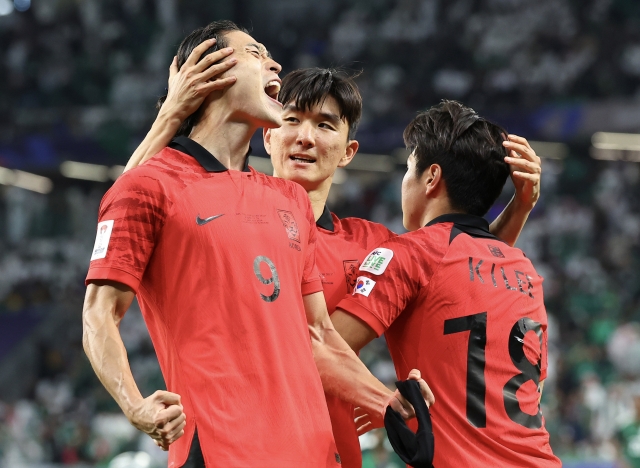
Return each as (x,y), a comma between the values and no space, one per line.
(456,301)
(222,260)
(321,112)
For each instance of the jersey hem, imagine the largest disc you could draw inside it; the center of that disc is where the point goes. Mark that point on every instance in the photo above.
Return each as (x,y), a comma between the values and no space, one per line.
(113,274)
(358,310)
(311,287)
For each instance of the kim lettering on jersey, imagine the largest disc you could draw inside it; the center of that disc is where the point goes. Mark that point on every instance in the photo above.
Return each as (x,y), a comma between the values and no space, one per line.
(522,280)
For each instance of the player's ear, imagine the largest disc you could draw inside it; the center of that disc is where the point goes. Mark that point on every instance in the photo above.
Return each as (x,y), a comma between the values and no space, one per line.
(352,149)
(266,136)
(432,179)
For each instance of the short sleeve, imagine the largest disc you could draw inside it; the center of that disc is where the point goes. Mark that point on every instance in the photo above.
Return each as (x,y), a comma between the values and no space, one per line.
(388,280)
(311,281)
(131,216)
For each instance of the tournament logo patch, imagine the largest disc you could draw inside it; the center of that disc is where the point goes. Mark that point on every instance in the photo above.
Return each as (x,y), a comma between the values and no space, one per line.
(103,237)
(377,261)
(350,273)
(290,225)
(495,251)
(364,286)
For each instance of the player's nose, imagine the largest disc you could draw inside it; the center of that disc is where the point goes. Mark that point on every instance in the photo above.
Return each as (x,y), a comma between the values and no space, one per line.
(305,135)
(273,66)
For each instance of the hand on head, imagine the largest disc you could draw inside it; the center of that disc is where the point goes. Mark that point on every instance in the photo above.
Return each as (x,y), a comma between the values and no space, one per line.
(196,79)
(526,169)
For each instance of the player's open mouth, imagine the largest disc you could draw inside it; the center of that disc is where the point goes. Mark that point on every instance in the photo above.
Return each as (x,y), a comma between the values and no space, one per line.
(272,88)
(299,158)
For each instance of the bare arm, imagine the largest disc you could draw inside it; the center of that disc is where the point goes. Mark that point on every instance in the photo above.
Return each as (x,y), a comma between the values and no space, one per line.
(159,415)
(525,172)
(188,87)
(342,373)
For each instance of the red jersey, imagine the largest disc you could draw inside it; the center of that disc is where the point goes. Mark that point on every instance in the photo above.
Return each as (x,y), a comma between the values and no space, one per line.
(341,244)
(467,310)
(219,261)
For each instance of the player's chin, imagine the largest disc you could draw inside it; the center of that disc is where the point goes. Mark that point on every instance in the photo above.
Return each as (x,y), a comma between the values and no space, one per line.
(272,113)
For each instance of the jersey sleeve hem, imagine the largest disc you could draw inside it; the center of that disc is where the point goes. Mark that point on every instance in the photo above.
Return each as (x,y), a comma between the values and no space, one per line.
(358,310)
(113,274)
(311,287)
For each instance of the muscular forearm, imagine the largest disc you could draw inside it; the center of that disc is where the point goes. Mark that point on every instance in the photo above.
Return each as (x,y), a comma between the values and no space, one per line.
(108,357)
(343,374)
(162,131)
(508,225)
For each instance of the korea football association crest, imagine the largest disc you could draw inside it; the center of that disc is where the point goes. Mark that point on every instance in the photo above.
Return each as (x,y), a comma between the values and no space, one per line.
(363,286)
(377,261)
(350,273)
(290,225)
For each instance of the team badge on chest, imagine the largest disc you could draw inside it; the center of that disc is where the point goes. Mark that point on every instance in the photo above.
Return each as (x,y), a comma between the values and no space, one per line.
(290,225)
(350,272)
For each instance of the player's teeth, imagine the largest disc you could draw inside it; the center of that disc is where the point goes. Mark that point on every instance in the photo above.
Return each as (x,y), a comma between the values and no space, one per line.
(275,85)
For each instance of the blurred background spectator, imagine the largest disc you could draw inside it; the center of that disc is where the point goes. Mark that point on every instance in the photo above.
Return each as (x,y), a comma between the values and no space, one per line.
(80,78)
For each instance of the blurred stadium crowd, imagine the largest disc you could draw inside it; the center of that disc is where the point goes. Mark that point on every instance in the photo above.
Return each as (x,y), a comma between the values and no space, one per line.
(80,80)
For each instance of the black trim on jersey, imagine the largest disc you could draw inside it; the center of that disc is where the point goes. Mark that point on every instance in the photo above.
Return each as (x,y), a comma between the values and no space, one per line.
(325,221)
(205,158)
(196,457)
(475,226)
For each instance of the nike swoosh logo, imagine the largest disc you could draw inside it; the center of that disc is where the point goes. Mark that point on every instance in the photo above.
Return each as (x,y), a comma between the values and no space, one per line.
(202,222)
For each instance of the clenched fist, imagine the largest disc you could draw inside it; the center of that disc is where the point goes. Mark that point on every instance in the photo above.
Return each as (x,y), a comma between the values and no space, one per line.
(161,416)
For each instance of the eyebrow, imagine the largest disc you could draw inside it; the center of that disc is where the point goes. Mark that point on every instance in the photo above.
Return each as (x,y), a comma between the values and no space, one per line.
(262,49)
(330,116)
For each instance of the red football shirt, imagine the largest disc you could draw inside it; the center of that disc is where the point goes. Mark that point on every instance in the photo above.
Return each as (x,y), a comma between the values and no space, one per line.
(467,310)
(341,245)
(220,261)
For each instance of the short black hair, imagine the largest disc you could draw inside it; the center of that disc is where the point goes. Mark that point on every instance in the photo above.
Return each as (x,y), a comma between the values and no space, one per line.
(469,150)
(215,30)
(308,87)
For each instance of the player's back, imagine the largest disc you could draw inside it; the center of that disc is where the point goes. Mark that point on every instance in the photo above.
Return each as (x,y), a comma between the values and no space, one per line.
(477,329)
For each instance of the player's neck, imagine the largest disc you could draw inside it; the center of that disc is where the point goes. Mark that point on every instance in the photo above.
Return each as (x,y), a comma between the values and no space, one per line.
(226,139)
(318,198)
(436,208)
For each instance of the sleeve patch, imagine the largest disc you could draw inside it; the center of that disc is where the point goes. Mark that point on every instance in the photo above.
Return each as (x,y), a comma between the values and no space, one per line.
(363,286)
(102,240)
(377,261)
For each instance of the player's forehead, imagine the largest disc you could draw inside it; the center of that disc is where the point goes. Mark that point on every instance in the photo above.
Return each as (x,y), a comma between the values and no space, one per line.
(237,39)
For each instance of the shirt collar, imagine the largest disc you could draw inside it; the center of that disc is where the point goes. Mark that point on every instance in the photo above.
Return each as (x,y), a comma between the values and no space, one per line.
(475,226)
(325,221)
(205,158)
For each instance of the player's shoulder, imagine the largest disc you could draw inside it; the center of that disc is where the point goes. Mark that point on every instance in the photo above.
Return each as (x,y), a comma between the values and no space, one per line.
(166,173)
(367,232)
(164,165)
(287,188)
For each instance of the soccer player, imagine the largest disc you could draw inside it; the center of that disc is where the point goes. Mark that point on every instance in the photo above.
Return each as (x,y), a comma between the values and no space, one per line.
(321,112)
(456,301)
(222,260)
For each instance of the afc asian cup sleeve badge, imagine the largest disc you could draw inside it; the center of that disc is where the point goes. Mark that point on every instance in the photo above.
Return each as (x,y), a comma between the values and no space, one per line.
(103,237)
(363,286)
(290,225)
